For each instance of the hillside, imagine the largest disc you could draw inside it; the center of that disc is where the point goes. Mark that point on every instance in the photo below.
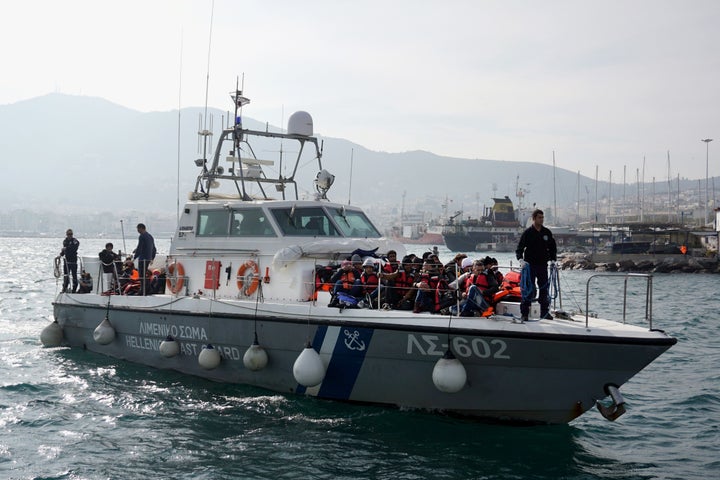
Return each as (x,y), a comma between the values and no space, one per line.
(64,153)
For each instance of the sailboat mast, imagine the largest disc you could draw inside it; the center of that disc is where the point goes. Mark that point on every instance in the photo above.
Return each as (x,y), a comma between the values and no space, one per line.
(555,215)
(642,201)
(607,220)
(596,193)
(577,215)
(624,202)
(637,179)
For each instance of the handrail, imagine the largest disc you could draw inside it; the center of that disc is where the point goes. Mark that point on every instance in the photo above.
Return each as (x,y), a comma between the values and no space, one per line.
(648,294)
(193,251)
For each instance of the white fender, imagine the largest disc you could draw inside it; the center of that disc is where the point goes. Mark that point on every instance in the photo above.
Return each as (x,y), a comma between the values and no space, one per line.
(209,357)
(52,335)
(308,369)
(255,357)
(169,347)
(104,333)
(449,374)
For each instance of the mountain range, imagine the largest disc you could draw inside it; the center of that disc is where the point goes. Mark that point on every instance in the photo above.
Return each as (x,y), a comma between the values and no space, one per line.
(85,154)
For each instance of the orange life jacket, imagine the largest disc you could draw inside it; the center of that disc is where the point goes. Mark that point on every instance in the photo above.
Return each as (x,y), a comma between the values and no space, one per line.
(370,281)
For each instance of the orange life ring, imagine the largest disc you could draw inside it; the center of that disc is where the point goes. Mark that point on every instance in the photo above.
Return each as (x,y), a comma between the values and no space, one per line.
(175,277)
(253,283)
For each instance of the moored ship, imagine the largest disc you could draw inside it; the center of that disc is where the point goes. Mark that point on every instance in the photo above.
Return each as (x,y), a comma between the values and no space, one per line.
(498,229)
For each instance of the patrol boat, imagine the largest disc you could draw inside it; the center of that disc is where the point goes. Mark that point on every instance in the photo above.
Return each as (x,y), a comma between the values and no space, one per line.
(242,305)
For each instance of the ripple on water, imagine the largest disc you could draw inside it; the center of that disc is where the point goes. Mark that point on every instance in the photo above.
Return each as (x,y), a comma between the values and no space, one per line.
(71,414)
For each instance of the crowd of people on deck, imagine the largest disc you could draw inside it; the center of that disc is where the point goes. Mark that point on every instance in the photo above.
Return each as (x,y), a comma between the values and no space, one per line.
(422,284)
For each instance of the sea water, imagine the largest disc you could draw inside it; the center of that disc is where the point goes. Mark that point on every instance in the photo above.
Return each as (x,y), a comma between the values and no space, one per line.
(72,414)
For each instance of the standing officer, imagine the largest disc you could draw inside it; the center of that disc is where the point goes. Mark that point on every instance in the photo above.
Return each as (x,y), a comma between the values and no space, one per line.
(536,247)
(69,251)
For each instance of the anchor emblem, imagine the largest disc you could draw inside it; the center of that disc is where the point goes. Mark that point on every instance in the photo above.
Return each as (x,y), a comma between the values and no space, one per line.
(352,341)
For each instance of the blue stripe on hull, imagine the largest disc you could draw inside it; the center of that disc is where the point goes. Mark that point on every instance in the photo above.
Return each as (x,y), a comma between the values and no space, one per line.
(346,358)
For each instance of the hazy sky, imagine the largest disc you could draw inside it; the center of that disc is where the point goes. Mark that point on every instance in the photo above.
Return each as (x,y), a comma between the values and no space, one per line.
(599,82)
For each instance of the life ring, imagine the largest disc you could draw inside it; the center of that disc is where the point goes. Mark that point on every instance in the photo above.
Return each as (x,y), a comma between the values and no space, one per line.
(175,277)
(253,282)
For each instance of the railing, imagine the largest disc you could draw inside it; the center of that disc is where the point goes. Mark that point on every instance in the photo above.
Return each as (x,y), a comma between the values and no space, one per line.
(648,294)
(102,282)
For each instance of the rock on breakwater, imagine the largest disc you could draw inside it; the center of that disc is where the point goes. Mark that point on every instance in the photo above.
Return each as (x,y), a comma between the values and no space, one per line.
(638,263)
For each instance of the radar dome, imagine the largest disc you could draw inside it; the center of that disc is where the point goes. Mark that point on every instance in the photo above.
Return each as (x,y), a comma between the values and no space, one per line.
(300,123)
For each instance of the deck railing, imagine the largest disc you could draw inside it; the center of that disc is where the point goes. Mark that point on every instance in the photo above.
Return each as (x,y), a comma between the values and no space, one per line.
(627,276)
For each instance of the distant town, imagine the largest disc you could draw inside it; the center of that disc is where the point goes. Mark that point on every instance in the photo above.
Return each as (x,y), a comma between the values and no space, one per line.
(686,210)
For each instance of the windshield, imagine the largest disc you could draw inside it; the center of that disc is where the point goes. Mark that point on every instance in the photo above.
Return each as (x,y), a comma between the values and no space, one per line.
(245,222)
(305,222)
(353,223)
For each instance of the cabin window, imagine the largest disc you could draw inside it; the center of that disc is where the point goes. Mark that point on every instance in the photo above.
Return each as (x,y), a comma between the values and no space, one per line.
(354,223)
(250,222)
(213,223)
(304,222)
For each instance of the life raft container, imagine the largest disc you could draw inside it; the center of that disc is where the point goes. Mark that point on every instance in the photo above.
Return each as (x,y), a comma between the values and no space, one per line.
(248,278)
(175,277)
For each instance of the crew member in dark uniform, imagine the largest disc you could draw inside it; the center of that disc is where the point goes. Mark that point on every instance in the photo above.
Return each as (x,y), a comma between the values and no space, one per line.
(145,253)
(111,264)
(536,247)
(69,251)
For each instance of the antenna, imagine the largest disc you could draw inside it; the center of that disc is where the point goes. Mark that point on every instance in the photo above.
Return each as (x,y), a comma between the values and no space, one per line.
(204,132)
(177,196)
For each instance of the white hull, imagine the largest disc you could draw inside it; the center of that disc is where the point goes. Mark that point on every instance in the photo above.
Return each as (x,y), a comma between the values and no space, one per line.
(546,371)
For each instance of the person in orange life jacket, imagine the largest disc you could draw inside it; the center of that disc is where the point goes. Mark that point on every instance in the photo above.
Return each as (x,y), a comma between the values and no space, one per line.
(536,247)
(357,264)
(434,259)
(445,296)
(69,251)
(495,270)
(129,277)
(369,279)
(425,292)
(346,280)
(466,269)
(430,285)
(391,265)
(157,281)
(400,292)
(480,288)
(453,268)
(415,262)
(460,283)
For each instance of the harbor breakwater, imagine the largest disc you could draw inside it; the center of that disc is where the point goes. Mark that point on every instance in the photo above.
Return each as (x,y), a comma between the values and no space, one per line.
(640,263)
